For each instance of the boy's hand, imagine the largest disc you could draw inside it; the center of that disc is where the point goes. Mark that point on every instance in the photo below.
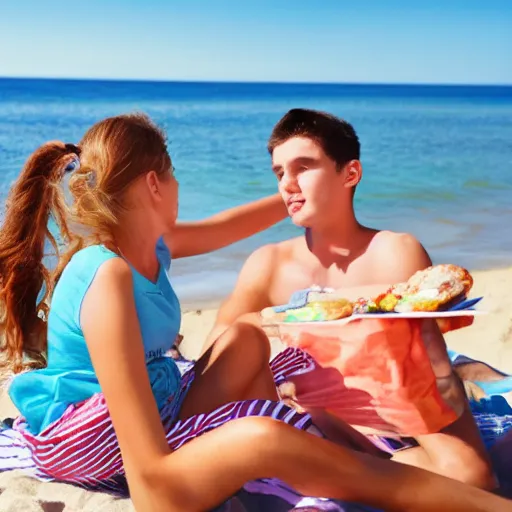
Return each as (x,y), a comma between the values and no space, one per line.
(451,324)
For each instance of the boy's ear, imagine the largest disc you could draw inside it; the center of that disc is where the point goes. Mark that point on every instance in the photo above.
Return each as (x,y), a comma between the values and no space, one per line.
(353,173)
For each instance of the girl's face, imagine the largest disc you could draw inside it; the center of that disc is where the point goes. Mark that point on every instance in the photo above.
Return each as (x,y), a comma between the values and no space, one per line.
(170,199)
(156,196)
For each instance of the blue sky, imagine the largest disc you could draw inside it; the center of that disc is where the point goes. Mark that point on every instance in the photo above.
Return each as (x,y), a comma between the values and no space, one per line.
(383,41)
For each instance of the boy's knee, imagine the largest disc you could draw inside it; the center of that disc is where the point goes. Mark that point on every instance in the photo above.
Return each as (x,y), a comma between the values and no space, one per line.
(478,474)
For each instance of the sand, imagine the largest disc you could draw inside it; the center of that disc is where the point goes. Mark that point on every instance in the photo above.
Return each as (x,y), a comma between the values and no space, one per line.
(489,338)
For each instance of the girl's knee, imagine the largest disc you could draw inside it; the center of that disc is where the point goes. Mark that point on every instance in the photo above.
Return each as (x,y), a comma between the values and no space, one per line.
(257,430)
(251,340)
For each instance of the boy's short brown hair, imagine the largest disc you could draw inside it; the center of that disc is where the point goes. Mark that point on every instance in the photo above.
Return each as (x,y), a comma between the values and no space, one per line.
(336,137)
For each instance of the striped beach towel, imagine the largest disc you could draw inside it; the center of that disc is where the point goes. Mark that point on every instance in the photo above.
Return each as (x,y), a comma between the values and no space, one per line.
(81,447)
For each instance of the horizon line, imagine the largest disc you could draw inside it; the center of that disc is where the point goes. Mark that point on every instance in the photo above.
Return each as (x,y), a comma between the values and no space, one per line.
(261,82)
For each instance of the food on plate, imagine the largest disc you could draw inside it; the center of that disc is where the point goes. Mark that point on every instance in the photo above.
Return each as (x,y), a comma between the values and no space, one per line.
(320,311)
(269,316)
(436,288)
(433,289)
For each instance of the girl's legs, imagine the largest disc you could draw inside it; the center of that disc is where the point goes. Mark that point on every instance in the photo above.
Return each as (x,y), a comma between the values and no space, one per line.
(236,367)
(205,472)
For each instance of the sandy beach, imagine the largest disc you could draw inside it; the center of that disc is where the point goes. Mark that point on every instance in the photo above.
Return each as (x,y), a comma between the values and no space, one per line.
(490,339)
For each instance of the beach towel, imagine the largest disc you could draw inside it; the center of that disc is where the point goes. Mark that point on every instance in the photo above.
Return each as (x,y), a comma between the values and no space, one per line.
(497,391)
(267,494)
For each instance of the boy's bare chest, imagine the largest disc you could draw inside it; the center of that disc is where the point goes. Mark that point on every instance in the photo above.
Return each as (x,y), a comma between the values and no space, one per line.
(293,276)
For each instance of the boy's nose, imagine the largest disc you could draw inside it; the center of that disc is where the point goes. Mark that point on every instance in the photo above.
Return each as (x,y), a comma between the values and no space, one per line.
(289,184)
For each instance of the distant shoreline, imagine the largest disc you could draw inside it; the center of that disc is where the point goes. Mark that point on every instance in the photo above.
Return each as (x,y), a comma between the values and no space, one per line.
(195,81)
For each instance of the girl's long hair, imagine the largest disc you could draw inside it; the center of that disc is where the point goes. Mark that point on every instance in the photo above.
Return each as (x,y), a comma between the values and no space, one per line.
(111,155)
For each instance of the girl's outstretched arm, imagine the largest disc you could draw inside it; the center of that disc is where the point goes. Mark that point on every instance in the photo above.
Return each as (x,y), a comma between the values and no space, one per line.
(226,227)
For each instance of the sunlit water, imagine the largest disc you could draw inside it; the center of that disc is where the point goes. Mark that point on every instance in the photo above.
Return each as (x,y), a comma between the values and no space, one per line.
(437,160)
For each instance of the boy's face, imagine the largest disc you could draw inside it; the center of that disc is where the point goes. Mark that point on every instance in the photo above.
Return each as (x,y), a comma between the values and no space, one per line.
(312,187)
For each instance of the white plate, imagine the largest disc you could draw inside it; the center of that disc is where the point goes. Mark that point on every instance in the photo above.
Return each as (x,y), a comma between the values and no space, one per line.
(384,316)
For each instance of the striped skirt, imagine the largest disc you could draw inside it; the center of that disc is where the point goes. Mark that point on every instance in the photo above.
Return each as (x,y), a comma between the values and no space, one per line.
(81,447)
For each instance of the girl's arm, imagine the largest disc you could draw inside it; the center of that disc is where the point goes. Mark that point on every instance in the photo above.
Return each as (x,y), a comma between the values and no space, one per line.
(225,228)
(112,333)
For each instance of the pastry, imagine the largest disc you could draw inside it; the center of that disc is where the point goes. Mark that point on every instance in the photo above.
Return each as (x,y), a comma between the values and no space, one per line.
(433,289)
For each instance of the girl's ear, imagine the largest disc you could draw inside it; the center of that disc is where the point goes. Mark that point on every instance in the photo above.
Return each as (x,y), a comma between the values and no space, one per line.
(153,184)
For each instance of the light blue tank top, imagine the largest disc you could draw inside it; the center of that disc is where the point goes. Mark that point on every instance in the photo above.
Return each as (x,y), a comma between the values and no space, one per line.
(43,395)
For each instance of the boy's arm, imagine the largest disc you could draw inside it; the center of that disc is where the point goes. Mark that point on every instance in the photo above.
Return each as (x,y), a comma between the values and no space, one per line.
(458,448)
(402,257)
(250,295)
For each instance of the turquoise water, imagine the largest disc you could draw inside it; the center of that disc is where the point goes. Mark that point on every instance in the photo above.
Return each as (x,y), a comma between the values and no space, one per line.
(437,160)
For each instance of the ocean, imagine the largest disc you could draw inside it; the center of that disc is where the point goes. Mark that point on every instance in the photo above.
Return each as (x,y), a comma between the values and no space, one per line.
(437,160)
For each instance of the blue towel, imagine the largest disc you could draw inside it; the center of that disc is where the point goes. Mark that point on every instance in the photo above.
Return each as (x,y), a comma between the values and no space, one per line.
(492,425)
(494,388)
(298,300)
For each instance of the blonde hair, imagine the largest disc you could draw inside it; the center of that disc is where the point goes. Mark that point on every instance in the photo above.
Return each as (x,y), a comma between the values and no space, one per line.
(110,156)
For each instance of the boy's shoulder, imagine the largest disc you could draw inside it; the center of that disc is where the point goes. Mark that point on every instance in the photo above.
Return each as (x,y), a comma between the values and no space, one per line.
(383,243)
(385,246)
(397,255)
(392,241)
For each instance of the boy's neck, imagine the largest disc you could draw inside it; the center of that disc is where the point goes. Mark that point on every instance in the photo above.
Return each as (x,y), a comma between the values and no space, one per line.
(340,236)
